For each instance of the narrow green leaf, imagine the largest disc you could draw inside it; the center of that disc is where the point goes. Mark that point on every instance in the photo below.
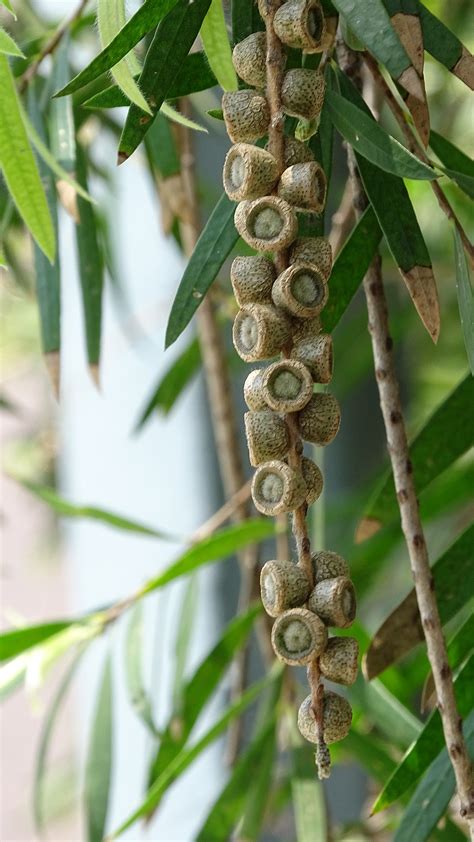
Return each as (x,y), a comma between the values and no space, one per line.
(66,509)
(137,693)
(451,424)
(12,676)
(350,267)
(373,27)
(465,297)
(429,742)
(391,716)
(402,630)
(368,138)
(172,384)
(173,40)
(245,20)
(15,642)
(444,46)
(62,130)
(91,266)
(216,241)
(216,113)
(308,798)
(161,148)
(8,5)
(216,46)
(187,616)
(176,117)
(111,20)
(19,166)
(8,45)
(142,22)
(457,165)
(321,145)
(99,759)
(223,543)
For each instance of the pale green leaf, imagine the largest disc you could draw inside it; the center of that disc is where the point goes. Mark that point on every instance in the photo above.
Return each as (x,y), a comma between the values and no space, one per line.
(177,117)
(8,45)
(217,48)
(111,20)
(465,297)
(99,760)
(134,644)
(8,5)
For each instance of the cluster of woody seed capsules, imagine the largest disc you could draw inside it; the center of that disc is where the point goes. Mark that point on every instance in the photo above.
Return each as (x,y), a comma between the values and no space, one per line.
(279,315)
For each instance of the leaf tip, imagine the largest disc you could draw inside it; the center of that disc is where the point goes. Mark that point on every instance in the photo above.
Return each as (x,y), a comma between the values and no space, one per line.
(95,375)
(52,363)
(421,285)
(464,68)
(367,527)
(121,157)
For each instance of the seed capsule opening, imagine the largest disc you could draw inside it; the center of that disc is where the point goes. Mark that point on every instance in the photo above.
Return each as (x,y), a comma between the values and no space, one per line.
(267,224)
(300,24)
(296,638)
(286,386)
(277,488)
(249,172)
(300,290)
(260,331)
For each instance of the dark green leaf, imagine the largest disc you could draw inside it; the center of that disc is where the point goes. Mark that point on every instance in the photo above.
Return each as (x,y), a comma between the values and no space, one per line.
(216,113)
(173,39)
(245,20)
(308,797)
(161,148)
(372,752)
(321,144)
(457,165)
(465,298)
(444,46)
(61,130)
(111,18)
(402,630)
(91,266)
(372,26)
(19,640)
(99,760)
(173,382)
(143,21)
(137,693)
(216,241)
(459,647)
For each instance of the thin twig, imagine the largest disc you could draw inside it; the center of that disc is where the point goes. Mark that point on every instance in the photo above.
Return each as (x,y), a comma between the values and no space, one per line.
(397,444)
(341,221)
(226,512)
(51,45)
(417,149)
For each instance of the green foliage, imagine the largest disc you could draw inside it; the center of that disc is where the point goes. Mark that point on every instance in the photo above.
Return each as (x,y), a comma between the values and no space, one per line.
(111,20)
(376,32)
(465,298)
(137,693)
(99,759)
(217,48)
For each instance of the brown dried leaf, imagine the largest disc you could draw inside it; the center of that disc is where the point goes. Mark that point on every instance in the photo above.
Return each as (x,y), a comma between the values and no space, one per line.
(464,69)
(421,285)
(428,695)
(408,29)
(401,631)
(68,198)
(52,363)
(367,527)
(416,102)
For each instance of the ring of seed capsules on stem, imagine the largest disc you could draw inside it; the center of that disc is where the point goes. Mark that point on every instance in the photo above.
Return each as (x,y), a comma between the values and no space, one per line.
(281,292)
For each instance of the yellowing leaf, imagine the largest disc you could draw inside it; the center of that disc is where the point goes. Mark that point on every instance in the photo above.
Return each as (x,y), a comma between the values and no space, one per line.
(111,19)
(217,48)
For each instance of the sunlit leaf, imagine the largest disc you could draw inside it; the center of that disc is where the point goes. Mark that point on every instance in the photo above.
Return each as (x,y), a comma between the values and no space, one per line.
(12,676)
(8,45)
(216,46)
(308,798)
(465,297)
(457,165)
(111,20)
(137,693)
(99,759)
(16,641)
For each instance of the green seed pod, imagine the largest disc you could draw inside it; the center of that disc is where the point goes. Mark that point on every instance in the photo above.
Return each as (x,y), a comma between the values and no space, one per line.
(266,224)
(249,172)
(286,386)
(304,186)
(260,331)
(277,488)
(334,601)
(316,354)
(319,420)
(337,718)
(253,396)
(283,585)
(252,279)
(327,565)
(267,436)
(300,24)
(296,638)
(246,115)
(300,290)
(249,59)
(313,479)
(302,93)
(338,662)
(316,250)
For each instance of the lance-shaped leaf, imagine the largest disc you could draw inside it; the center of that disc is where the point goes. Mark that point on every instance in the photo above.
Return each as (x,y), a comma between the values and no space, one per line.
(216,46)
(457,165)
(19,167)
(172,384)
(111,20)
(403,629)
(142,22)
(308,797)
(15,642)
(399,224)
(368,137)
(465,297)
(427,745)
(245,20)
(445,47)
(98,773)
(137,693)
(163,156)
(449,424)
(8,46)
(184,633)
(459,647)
(216,241)
(172,42)
(62,130)
(404,16)
(8,5)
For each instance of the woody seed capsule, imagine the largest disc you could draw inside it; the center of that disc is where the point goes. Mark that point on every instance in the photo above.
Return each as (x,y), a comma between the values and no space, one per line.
(304,185)
(334,601)
(267,436)
(286,386)
(337,718)
(277,488)
(313,479)
(296,638)
(249,57)
(319,420)
(283,585)
(300,290)
(328,565)
(316,250)
(253,396)
(302,93)
(249,172)
(300,24)
(266,224)
(252,279)
(338,662)
(296,152)
(260,331)
(246,115)
(316,354)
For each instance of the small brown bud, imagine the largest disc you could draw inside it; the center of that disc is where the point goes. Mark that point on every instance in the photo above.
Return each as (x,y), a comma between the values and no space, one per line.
(315,250)
(300,24)
(249,172)
(252,279)
(316,354)
(246,115)
(249,59)
(304,186)
(296,638)
(338,662)
(337,718)
(327,565)
(267,436)
(302,93)
(277,488)
(283,585)
(319,420)
(334,601)
(300,290)
(266,224)
(253,391)
(313,479)
(260,331)
(286,386)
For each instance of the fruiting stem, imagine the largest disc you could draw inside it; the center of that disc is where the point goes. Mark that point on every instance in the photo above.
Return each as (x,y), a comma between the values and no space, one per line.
(397,445)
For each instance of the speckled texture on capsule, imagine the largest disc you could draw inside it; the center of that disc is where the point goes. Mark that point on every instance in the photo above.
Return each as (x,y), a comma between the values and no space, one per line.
(249,172)
(334,601)
(328,565)
(277,488)
(315,250)
(296,152)
(249,59)
(252,279)
(267,436)
(339,661)
(266,224)
(337,718)
(253,396)
(287,386)
(246,115)
(300,24)
(316,353)
(297,638)
(313,479)
(304,186)
(320,419)
(302,93)
(260,331)
(300,290)
(283,585)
